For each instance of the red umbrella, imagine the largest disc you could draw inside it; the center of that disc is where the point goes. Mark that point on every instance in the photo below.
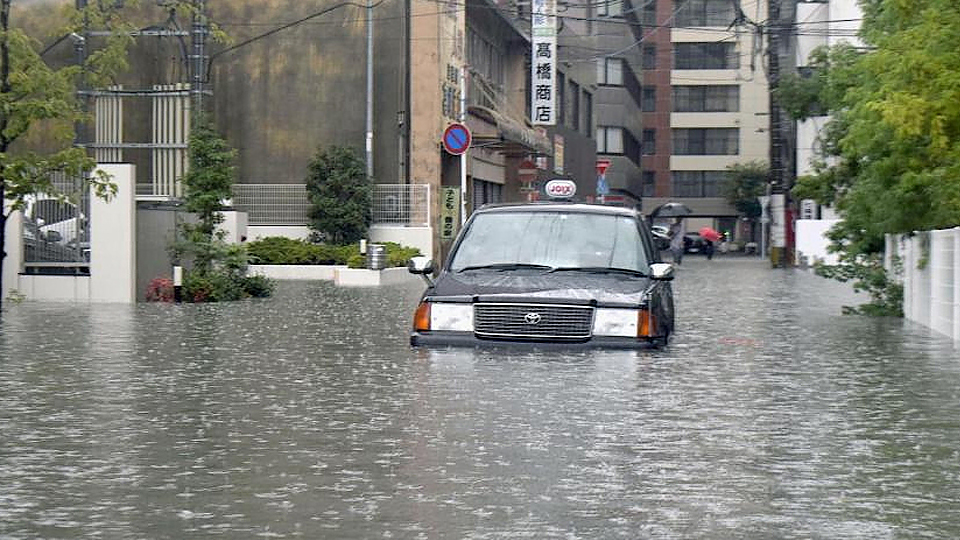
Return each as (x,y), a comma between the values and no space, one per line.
(710,234)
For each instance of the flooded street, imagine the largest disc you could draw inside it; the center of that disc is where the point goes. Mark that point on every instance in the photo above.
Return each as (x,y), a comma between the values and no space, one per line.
(307,415)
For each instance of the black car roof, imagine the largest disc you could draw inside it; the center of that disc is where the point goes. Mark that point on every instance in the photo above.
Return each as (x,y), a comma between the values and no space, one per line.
(558,207)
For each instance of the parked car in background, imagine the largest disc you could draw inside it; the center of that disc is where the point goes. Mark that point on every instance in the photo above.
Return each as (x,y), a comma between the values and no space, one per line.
(55,220)
(693,243)
(557,273)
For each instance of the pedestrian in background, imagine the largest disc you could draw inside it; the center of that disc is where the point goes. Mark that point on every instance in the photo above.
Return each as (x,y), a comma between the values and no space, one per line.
(677,231)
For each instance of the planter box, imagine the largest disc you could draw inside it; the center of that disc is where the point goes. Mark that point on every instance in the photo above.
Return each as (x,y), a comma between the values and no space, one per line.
(361,277)
(340,275)
(295,271)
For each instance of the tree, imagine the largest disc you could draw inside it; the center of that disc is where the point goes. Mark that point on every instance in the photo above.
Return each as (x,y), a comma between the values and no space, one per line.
(219,270)
(744,183)
(206,185)
(891,153)
(341,195)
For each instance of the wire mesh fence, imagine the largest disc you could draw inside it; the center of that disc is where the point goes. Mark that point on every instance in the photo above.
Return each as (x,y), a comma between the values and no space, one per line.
(288,204)
(56,228)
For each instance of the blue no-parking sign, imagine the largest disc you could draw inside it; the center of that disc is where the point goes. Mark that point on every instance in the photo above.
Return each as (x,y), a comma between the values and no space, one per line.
(456,139)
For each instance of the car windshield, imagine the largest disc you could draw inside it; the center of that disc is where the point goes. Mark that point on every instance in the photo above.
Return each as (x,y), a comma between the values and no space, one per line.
(551,240)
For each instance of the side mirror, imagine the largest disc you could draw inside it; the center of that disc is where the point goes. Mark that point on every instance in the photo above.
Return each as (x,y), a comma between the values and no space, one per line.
(661,271)
(422,266)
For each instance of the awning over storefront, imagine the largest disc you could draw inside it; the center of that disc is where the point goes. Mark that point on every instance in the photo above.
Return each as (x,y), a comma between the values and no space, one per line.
(504,134)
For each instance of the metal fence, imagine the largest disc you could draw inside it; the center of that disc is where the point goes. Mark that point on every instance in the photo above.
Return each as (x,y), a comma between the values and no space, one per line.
(288,204)
(401,204)
(56,229)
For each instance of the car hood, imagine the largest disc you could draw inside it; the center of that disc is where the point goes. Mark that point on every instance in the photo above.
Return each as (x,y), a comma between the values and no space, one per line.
(567,286)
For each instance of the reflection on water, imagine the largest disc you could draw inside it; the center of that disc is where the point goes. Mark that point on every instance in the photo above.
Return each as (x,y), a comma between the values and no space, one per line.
(307,415)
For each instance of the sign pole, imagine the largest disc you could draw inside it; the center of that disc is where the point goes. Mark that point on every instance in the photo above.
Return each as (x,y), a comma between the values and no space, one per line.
(463,156)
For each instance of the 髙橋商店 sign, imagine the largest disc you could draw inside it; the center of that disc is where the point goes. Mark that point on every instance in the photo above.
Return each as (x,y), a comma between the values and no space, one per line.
(544,62)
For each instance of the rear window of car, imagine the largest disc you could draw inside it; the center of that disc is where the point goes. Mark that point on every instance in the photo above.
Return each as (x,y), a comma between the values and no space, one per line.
(555,239)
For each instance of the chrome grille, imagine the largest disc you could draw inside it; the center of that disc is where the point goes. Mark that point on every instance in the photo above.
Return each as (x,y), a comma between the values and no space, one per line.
(533,321)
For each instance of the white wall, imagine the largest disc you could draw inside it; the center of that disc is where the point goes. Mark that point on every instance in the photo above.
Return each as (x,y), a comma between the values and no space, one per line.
(13,245)
(113,239)
(812,241)
(418,237)
(930,270)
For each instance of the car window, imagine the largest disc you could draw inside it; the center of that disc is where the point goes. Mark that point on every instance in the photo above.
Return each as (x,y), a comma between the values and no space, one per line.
(555,239)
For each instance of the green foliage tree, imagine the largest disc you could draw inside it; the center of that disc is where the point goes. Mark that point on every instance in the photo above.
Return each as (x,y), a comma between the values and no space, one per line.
(340,194)
(219,270)
(891,153)
(744,183)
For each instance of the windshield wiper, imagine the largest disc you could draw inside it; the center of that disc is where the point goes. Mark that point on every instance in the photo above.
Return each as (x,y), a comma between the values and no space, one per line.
(600,270)
(505,266)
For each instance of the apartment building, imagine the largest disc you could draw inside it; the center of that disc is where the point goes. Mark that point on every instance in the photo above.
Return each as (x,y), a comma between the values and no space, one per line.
(705,102)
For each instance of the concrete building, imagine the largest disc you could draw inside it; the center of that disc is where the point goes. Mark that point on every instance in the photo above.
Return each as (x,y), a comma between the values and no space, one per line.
(706,102)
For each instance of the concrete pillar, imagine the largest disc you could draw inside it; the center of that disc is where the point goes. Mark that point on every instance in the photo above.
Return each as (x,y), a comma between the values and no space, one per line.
(113,239)
(13,264)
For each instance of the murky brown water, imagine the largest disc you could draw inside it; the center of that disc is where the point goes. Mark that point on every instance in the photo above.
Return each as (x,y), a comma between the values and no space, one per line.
(307,415)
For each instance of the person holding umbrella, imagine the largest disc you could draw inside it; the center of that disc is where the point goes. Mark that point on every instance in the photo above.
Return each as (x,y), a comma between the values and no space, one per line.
(676,232)
(709,235)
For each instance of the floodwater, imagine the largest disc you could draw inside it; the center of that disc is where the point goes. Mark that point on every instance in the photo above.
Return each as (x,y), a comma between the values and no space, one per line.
(307,415)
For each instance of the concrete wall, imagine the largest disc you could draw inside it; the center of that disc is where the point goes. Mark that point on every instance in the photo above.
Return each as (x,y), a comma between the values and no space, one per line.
(812,241)
(113,241)
(928,262)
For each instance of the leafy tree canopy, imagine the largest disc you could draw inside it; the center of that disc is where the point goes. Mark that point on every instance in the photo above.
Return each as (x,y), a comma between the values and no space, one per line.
(745,182)
(891,154)
(340,194)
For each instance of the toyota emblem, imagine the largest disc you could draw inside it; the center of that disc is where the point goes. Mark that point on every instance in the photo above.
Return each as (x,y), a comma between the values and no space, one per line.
(532,318)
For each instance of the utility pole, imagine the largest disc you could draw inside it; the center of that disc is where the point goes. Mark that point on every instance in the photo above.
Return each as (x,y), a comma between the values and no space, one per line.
(369,133)
(778,191)
(198,60)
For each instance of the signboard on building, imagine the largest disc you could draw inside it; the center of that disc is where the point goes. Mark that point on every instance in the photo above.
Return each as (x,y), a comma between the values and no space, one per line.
(543,65)
(558,154)
(449,208)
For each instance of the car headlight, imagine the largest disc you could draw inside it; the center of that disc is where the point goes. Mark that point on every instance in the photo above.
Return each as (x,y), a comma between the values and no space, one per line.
(443,316)
(621,322)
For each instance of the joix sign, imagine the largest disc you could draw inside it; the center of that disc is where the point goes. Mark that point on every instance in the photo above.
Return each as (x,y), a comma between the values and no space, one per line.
(544,62)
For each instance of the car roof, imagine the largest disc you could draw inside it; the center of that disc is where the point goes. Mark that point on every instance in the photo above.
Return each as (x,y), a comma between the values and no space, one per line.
(558,207)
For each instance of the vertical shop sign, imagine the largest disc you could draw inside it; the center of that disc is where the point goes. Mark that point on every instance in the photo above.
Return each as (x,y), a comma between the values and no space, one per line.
(449,210)
(543,62)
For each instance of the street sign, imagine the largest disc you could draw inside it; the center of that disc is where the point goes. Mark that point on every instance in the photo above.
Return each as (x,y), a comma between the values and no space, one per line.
(456,139)
(602,166)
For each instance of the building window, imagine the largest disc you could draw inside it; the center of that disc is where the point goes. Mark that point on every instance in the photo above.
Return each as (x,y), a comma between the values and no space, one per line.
(485,58)
(705,56)
(706,141)
(649,180)
(649,146)
(725,98)
(698,183)
(649,57)
(649,102)
(705,13)
(649,13)
(486,193)
(609,140)
(588,113)
(574,106)
(609,8)
(610,71)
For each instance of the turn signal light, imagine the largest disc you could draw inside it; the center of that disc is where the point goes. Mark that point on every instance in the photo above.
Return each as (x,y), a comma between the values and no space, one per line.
(644,323)
(421,319)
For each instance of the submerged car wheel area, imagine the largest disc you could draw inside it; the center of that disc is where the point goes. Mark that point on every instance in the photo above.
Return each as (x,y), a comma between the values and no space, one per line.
(550,273)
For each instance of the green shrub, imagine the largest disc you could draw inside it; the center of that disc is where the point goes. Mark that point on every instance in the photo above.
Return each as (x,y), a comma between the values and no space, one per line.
(281,250)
